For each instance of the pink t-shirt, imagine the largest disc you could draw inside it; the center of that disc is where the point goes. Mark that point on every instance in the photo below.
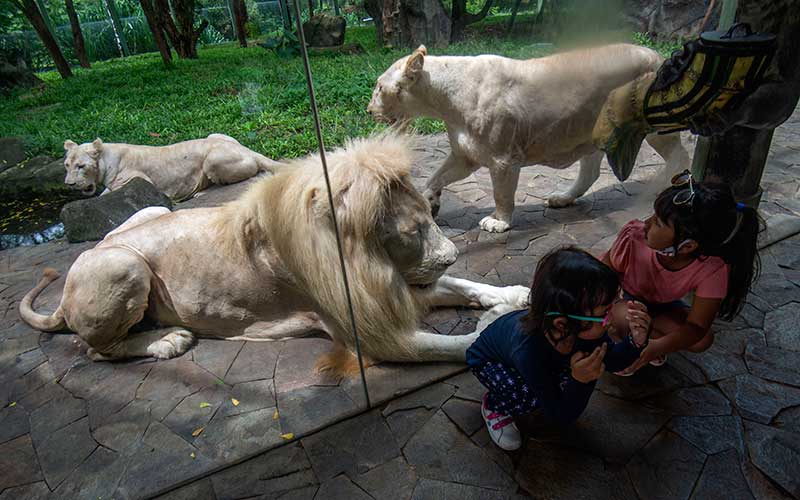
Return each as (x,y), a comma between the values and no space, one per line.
(645,278)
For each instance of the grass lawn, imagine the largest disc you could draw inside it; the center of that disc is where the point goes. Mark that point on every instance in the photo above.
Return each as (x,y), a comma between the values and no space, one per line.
(250,94)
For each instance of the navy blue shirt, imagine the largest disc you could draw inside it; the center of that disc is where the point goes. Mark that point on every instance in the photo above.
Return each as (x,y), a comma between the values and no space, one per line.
(545,370)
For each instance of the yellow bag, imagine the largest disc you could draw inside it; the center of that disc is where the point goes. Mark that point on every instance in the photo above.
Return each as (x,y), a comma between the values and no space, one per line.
(713,73)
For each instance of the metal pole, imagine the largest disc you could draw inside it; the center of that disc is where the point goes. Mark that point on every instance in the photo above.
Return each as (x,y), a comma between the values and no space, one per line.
(321,145)
(703,146)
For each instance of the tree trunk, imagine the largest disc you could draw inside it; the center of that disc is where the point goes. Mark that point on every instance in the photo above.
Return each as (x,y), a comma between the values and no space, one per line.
(181,31)
(116,24)
(240,17)
(33,14)
(514,11)
(310,9)
(409,23)
(153,21)
(375,10)
(460,17)
(77,34)
(286,15)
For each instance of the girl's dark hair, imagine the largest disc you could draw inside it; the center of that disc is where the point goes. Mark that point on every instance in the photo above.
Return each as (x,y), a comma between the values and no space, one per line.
(570,281)
(710,220)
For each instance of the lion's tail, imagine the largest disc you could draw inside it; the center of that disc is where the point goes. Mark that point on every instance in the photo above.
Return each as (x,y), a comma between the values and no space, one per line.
(51,323)
(267,165)
(340,363)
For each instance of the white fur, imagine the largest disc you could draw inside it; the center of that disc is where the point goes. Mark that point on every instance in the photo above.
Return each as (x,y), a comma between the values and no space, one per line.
(504,114)
(180,170)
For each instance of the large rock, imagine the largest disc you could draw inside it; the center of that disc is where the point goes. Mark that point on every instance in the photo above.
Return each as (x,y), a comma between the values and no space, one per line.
(93,218)
(324,30)
(16,75)
(38,176)
(12,151)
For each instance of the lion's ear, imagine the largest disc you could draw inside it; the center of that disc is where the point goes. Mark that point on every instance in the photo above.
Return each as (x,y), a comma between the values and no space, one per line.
(97,148)
(69,145)
(415,63)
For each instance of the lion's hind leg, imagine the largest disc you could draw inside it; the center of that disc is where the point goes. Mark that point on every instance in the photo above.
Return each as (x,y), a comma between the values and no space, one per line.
(223,166)
(106,293)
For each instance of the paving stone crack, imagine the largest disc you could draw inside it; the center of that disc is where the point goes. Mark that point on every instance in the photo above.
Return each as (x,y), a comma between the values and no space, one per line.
(233,362)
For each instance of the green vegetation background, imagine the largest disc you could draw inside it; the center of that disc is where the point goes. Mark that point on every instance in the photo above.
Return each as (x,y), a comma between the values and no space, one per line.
(250,94)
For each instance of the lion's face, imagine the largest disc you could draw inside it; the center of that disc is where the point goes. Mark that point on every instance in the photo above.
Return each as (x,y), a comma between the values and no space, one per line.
(413,240)
(391,97)
(81,162)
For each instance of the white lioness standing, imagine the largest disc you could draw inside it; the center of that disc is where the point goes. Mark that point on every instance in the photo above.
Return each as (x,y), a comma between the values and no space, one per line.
(179,170)
(505,114)
(266,267)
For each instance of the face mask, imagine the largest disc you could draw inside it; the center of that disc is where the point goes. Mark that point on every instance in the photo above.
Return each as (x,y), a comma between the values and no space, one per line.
(671,251)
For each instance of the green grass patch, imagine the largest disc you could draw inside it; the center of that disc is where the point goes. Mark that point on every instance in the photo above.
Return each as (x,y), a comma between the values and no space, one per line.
(250,94)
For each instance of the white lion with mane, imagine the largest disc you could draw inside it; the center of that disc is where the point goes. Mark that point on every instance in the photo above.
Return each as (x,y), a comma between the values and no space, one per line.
(266,267)
(179,170)
(504,114)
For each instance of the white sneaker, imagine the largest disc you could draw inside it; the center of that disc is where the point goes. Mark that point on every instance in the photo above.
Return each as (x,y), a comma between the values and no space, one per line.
(502,429)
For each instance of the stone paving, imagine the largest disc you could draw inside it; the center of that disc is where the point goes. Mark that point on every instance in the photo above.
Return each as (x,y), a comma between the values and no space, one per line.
(253,420)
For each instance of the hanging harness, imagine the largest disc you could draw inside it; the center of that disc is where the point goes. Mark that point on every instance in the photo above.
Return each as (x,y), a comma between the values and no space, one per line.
(713,73)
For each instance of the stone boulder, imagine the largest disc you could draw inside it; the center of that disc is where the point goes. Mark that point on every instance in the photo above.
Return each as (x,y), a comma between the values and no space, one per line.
(12,152)
(16,75)
(93,218)
(34,178)
(669,18)
(324,30)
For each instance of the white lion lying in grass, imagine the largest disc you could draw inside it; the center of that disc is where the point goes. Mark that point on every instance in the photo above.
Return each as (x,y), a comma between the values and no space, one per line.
(180,170)
(505,114)
(266,267)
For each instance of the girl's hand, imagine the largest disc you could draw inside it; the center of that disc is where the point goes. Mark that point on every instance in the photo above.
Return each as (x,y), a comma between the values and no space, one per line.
(651,352)
(588,367)
(638,322)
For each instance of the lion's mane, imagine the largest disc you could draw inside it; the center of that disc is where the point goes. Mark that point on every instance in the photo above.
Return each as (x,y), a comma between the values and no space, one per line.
(289,216)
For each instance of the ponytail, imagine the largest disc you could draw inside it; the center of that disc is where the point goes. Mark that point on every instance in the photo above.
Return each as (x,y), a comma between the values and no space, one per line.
(741,255)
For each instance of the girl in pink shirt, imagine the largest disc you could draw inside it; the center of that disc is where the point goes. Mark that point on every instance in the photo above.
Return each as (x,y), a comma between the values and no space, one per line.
(699,240)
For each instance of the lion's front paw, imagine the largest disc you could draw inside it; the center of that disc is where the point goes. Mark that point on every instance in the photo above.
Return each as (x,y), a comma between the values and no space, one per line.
(514,296)
(171,345)
(517,296)
(492,225)
(560,200)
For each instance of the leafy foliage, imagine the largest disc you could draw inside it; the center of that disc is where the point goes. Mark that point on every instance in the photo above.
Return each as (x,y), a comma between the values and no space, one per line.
(250,94)
(284,43)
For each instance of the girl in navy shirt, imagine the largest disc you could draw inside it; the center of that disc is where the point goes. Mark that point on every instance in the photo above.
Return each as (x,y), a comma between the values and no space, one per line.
(550,356)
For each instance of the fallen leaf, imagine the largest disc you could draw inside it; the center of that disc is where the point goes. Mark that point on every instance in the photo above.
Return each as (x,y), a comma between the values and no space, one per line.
(154,134)
(192,455)
(204,404)
(288,436)
(197,431)
(235,401)
(12,404)
(275,415)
